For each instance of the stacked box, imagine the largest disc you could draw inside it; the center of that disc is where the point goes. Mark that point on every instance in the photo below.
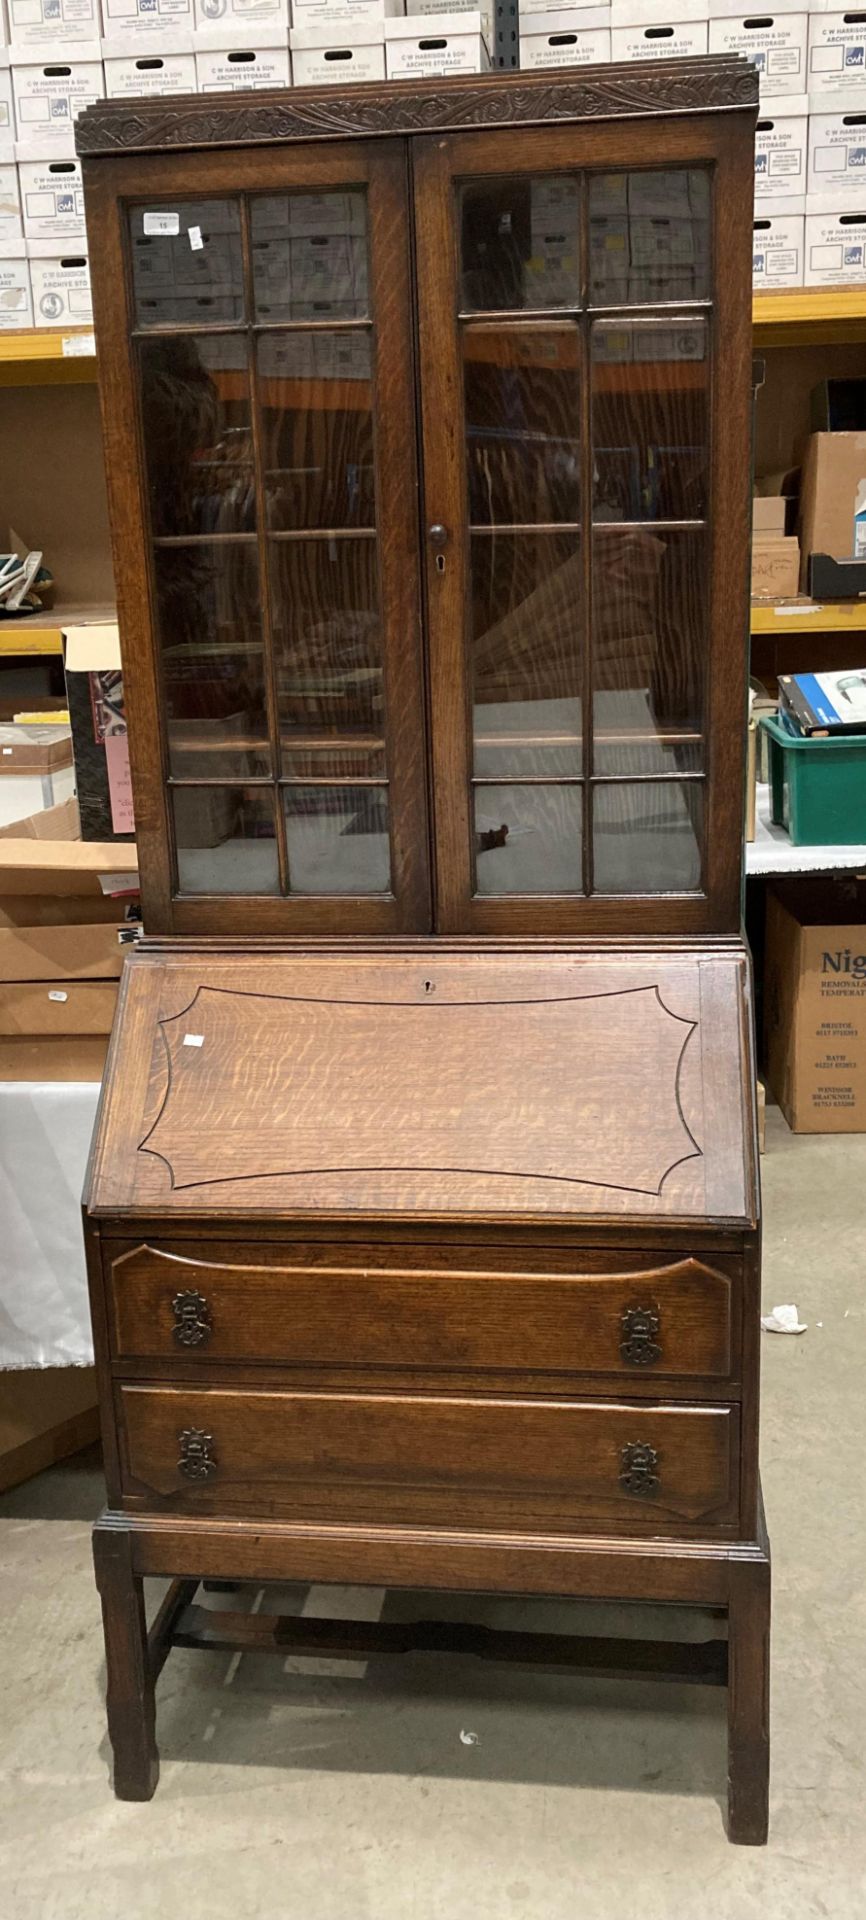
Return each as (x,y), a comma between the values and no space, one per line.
(16,309)
(560,38)
(49,94)
(243,19)
(7,114)
(778,248)
(837,52)
(658,29)
(145,73)
(54,28)
(781,148)
(775,40)
(52,199)
(164,25)
(338,41)
(837,146)
(10,204)
(449,43)
(60,284)
(225,64)
(835,243)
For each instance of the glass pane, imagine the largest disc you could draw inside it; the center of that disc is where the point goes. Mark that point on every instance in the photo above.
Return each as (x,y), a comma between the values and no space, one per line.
(649,236)
(325,606)
(647,838)
(338,839)
(316,398)
(195,415)
(520,243)
(528,839)
(309,257)
(212,660)
(522,423)
(314,762)
(178,278)
(525,659)
(650,419)
(225,839)
(649,646)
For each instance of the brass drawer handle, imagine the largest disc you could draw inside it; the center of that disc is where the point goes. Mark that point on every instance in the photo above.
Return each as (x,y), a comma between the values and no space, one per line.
(638,1470)
(639,1344)
(193,1325)
(196,1462)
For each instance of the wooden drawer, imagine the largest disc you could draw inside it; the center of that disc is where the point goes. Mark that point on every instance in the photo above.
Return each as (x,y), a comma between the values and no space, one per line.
(626,1316)
(543,1465)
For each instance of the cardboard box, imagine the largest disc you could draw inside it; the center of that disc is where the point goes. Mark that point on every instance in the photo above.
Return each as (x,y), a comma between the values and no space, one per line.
(560,39)
(775,566)
(837,148)
(7,114)
(224,65)
(774,38)
(48,98)
(52,199)
(781,148)
(429,8)
(452,43)
(318,60)
(87,951)
(56,1057)
(243,19)
(832,495)
(658,29)
(333,20)
(35,769)
(147,72)
(815,1004)
(835,243)
(768,513)
(68,1006)
(10,204)
(837,52)
(16,306)
(158,22)
(778,244)
(56,25)
(60,284)
(46,1413)
(45,856)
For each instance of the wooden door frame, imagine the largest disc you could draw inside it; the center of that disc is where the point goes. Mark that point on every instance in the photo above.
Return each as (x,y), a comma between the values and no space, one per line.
(716,141)
(111,185)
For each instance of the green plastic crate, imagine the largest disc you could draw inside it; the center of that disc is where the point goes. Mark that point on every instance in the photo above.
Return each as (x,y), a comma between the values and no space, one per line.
(818,787)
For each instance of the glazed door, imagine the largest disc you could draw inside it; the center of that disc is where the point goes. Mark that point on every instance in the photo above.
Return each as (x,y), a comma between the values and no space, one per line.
(256,357)
(585,378)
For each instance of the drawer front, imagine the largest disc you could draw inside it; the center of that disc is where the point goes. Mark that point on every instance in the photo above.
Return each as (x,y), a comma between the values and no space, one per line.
(677,1317)
(375,1459)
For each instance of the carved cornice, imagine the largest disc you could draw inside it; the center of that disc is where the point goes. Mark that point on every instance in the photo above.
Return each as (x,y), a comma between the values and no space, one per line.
(417,106)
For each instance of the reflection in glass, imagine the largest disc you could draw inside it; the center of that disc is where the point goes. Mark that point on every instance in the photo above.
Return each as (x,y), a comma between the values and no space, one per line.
(316,400)
(520,243)
(212,658)
(225,839)
(649,236)
(649,617)
(325,608)
(176,282)
(522,423)
(338,839)
(525,653)
(650,419)
(647,837)
(195,416)
(528,839)
(309,258)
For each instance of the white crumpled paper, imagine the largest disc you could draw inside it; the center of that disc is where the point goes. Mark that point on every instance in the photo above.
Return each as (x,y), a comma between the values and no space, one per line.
(783,1320)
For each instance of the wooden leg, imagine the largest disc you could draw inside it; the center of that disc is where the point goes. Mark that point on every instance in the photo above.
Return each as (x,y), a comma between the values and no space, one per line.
(749,1702)
(130,1698)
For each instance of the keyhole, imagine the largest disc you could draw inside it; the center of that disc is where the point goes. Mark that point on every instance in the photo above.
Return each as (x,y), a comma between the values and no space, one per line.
(440,563)
(429,987)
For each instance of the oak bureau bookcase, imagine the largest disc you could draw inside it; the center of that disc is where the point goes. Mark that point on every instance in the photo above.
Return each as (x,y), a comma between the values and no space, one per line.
(422,1212)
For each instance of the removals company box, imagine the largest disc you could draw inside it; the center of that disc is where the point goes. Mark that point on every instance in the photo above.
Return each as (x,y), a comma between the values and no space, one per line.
(815,1004)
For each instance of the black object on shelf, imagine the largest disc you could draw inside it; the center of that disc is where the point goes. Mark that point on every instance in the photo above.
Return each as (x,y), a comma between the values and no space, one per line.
(831,579)
(838,406)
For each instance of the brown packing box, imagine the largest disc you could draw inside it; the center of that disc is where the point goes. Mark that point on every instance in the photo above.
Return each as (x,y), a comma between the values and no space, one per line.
(62,1056)
(61,952)
(768,513)
(834,471)
(30,755)
(72,1006)
(44,855)
(815,1004)
(775,566)
(45,1414)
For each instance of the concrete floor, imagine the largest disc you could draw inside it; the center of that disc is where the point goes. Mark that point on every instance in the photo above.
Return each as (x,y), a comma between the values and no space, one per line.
(347,1793)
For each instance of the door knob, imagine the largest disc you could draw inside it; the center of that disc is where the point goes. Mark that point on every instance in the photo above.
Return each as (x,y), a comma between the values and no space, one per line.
(437,534)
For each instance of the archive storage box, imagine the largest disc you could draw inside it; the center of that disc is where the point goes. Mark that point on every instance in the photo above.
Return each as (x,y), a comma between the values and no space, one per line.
(774,38)
(16,308)
(817,787)
(778,233)
(138,74)
(781,145)
(53,26)
(565,39)
(52,199)
(60,284)
(49,95)
(224,65)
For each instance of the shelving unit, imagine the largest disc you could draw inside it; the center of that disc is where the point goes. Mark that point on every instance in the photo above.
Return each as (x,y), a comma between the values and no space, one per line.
(808,616)
(39,357)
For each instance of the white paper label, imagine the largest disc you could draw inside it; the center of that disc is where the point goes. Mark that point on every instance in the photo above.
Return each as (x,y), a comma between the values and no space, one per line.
(78,346)
(7,750)
(195,240)
(193,1039)
(56,994)
(153,223)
